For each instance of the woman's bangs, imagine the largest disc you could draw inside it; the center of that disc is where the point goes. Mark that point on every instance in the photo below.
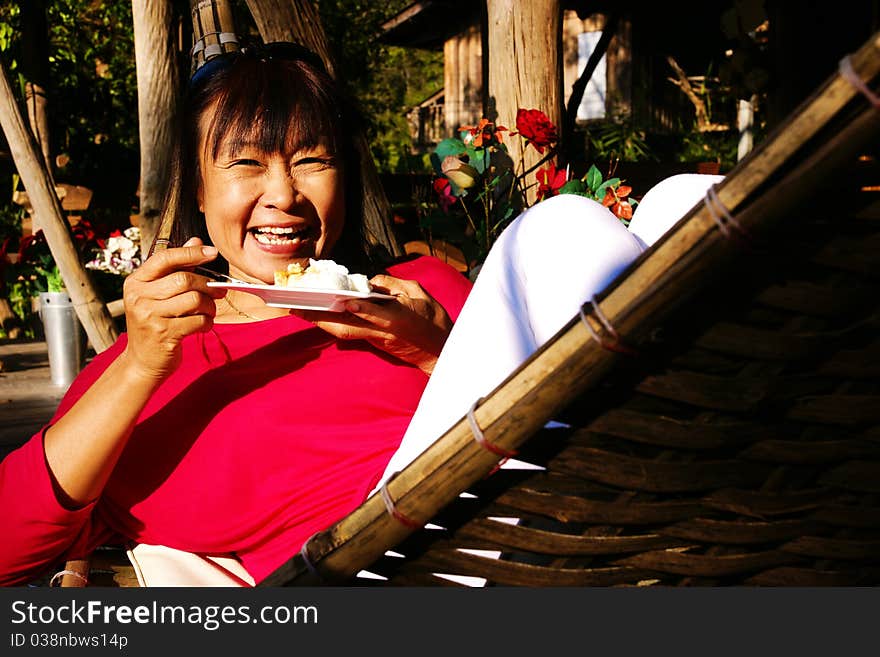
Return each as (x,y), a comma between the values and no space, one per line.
(283,109)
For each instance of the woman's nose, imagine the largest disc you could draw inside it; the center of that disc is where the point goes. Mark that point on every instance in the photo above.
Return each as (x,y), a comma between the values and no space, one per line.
(280,190)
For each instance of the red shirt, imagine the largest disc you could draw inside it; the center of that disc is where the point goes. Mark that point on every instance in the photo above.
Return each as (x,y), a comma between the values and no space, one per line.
(267,433)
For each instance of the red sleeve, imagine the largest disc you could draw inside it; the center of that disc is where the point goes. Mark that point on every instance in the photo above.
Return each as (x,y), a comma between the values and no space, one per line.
(448,286)
(37,530)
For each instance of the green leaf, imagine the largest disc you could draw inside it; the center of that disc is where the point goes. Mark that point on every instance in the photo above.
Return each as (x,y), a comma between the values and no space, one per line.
(574,187)
(444,149)
(600,191)
(450,146)
(594,178)
(478,158)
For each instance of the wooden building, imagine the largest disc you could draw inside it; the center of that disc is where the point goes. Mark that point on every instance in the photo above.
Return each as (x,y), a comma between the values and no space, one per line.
(804,43)
(459,29)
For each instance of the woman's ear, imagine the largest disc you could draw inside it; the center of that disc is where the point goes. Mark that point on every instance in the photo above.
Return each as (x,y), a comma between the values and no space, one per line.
(200,196)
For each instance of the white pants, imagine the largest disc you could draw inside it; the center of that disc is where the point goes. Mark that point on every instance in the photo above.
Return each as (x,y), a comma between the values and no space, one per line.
(550,260)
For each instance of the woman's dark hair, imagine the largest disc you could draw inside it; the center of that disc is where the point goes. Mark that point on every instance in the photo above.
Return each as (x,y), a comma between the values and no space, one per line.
(274,99)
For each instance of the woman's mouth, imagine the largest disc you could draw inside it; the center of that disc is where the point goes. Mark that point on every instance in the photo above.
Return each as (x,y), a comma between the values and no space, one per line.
(289,236)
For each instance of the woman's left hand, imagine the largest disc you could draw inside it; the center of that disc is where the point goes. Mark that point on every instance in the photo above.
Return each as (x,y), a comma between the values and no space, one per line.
(413,326)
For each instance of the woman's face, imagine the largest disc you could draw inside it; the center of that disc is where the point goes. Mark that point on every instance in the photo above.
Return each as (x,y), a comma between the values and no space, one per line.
(266,210)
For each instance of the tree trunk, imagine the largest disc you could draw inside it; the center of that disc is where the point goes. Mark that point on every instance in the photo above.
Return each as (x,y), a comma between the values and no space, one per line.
(525,66)
(292,20)
(35,71)
(155,50)
(47,208)
(298,20)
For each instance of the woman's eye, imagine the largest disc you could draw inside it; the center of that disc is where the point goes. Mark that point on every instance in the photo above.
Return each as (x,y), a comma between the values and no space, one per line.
(316,162)
(245,163)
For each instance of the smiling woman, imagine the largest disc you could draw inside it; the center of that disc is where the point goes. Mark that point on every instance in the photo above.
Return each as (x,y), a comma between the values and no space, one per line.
(284,162)
(231,430)
(190,439)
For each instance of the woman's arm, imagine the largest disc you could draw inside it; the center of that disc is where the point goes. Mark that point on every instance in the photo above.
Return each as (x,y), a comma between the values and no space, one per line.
(164,303)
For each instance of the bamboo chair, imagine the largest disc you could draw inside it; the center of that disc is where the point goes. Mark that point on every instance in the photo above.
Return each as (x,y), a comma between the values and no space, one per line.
(723,417)
(722,396)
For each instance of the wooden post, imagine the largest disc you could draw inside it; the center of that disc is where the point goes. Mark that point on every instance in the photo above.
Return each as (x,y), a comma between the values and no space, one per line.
(35,69)
(292,20)
(157,82)
(745,123)
(525,64)
(89,308)
(298,20)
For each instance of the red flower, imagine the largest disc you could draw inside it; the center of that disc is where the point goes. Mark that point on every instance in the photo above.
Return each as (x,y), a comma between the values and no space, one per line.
(444,193)
(28,242)
(550,180)
(537,129)
(617,201)
(483,133)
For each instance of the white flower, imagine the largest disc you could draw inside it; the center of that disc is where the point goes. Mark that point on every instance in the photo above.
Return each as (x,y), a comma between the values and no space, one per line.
(121,254)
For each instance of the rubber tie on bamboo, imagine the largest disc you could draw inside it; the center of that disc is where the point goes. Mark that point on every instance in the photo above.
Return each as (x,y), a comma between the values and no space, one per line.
(724,220)
(304,553)
(848,73)
(481,439)
(212,50)
(615,344)
(160,244)
(61,573)
(394,512)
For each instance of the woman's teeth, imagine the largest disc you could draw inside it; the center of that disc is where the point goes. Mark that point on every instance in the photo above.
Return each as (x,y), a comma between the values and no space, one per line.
(277,235)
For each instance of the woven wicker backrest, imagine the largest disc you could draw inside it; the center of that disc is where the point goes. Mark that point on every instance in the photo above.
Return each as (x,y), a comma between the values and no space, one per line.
(738,447)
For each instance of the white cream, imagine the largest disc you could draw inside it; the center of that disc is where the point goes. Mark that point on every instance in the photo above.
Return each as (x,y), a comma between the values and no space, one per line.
(322,274)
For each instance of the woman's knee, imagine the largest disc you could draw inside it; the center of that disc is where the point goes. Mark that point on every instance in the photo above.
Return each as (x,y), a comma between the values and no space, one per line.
(667,202)
(565,213)
(573,227)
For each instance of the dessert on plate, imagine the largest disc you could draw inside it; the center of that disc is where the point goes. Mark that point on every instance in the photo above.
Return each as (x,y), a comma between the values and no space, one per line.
(321,275)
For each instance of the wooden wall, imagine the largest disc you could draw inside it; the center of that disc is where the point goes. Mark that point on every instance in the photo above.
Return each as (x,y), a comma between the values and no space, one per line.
(463,69)
(463,78)
(618,59)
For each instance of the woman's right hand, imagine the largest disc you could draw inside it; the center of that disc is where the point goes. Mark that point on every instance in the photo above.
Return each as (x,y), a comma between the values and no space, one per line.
(165,302)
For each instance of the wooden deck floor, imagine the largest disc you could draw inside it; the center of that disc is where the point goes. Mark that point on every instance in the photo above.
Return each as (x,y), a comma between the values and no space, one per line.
(27,396)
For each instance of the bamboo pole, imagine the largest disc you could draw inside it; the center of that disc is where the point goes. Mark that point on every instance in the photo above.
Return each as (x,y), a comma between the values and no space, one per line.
(89,308)
(157,84)
(572,361)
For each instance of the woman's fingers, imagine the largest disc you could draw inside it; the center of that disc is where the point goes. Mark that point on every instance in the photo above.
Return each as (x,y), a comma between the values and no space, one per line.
(412,326)
(192,302)
(395,286)
(165,262)
(179,282)
(165,301)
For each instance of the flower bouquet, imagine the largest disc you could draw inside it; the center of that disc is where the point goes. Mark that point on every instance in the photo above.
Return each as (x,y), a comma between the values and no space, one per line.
(478,181)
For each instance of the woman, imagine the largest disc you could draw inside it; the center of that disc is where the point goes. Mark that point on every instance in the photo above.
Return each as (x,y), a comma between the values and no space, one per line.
(230,431)
(218,425)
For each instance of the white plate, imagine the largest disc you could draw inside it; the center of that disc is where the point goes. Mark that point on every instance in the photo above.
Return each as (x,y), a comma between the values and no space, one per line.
(301,297)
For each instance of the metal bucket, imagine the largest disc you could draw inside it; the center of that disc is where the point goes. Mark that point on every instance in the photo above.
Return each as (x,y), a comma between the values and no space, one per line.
(64,337)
